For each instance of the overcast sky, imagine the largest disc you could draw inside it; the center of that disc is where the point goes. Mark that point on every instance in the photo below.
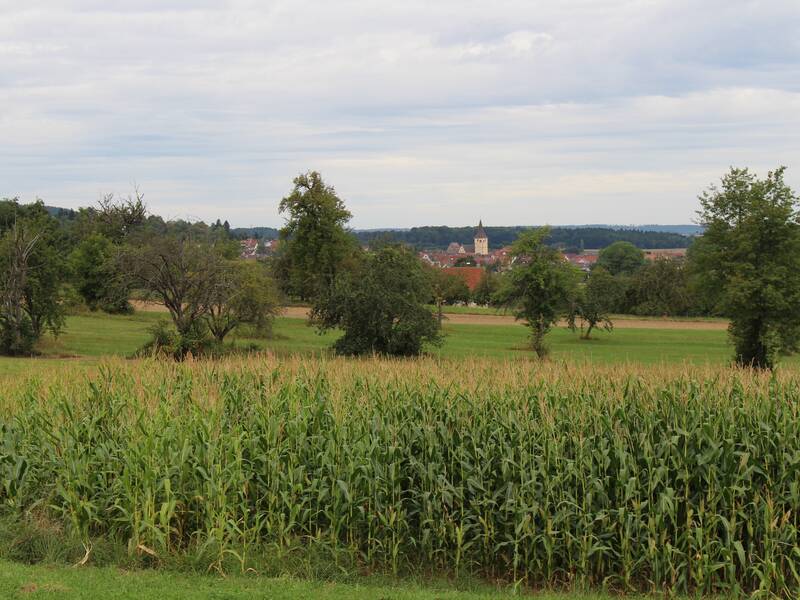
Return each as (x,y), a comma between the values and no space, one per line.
(419,112)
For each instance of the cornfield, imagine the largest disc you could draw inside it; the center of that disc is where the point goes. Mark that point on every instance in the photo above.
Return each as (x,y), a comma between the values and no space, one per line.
(677,479)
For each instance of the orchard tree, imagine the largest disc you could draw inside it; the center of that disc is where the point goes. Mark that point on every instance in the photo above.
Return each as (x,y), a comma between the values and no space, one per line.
(180,274)
(748,260)
(486,288)
(243,294)
(621,258)
(540,287)
(380,305)
(446,288)
(596,301)
(314,244)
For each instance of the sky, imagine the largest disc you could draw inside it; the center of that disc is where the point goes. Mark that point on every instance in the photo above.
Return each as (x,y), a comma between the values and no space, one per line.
(421,112)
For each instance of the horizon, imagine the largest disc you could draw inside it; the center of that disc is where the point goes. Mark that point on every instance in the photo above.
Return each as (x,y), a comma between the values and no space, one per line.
(639,226)
(517,111)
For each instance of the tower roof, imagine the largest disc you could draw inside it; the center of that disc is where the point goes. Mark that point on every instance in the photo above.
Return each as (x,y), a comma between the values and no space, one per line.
(479,232)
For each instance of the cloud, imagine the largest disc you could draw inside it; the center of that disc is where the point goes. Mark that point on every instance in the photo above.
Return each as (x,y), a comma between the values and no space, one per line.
(513,111)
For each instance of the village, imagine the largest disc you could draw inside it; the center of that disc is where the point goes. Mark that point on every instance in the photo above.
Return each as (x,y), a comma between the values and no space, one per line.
(470,261)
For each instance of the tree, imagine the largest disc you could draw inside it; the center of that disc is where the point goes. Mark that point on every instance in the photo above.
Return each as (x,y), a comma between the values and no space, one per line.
(96,276)
(181,274)
(446,288)
(486,288)
(33,278)
(17,335)
(381,306)
(116,219)
(42,292)
(597,300)
(540,286)
(244,294)
(660,288)
(747,261)
(621,258)
(313,243)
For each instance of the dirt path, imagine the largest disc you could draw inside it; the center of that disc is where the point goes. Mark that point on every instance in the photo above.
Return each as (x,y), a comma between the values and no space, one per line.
(146,306)
(301,312)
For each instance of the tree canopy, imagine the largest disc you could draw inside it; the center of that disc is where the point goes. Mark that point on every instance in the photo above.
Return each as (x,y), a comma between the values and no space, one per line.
(314,242)
(747,262)
(380,305)
(621,258)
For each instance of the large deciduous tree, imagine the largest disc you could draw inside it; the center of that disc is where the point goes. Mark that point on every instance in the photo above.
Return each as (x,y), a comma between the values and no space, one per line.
(539,288)
(748,262)
(380,305)
(314,243)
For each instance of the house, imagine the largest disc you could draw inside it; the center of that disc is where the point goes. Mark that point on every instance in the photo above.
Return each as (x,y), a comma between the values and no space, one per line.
(267,247)
(585,262)
(249,247)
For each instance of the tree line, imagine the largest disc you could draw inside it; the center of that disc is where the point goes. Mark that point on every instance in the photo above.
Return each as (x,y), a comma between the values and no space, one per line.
(569,239)
(97,258)
(745,267)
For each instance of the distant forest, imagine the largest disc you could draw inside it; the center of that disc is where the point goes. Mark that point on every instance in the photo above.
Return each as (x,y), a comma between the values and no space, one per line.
(572,239)
(569,238)
(438,238)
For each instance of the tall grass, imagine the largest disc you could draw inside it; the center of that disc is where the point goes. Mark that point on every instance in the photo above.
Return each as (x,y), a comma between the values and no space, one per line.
(679,479)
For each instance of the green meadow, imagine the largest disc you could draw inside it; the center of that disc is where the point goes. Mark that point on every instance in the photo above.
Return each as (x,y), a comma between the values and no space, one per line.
(88,337)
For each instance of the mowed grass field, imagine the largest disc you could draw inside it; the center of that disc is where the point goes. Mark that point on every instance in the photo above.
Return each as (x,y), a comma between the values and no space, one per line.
(91,336)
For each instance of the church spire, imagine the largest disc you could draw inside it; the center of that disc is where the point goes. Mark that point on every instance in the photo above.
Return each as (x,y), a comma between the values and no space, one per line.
(481,240)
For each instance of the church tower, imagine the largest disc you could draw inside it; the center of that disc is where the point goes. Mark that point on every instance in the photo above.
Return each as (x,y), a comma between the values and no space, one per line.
(481,241)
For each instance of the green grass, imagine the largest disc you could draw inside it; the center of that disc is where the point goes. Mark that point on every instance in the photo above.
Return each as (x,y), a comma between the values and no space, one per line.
(648,346)
(19,581)
(88,337)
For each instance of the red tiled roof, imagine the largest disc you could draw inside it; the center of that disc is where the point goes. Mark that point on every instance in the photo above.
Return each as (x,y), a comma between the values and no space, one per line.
(470,275)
